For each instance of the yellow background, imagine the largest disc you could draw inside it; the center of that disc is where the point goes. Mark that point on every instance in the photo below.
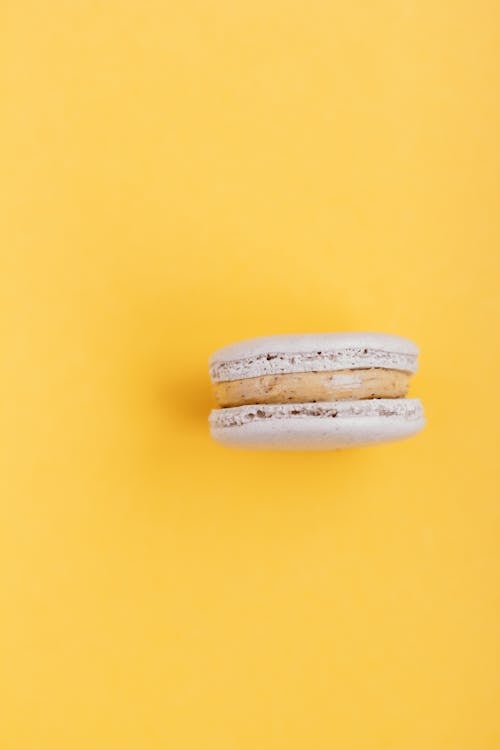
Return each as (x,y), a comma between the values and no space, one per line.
(176,176)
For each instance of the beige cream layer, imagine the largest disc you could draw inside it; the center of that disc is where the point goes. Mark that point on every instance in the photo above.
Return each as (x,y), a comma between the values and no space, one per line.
(313,386)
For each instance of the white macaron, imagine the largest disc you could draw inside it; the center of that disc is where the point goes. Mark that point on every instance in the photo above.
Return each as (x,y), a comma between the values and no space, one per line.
(314,391)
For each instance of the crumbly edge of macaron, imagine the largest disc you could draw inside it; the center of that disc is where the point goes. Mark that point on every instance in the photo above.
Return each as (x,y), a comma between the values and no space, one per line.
(406,408)
(276,363)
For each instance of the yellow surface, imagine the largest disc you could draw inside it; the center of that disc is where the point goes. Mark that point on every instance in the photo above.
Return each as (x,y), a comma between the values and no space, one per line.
(177,176)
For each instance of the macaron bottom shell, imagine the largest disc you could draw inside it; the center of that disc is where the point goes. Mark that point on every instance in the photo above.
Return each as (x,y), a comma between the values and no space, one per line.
(333,427)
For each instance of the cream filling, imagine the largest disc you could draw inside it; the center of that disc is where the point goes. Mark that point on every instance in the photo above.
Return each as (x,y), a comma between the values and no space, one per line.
(310,387)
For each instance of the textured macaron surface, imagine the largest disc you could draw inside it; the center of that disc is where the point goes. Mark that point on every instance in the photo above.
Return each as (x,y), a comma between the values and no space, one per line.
(407,408)
(321,426)
(274,355)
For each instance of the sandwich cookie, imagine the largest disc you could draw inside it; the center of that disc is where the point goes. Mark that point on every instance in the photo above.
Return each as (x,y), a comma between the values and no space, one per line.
(315,391)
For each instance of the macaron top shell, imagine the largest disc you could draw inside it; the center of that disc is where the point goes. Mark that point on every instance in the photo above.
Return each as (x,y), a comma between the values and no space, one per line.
(312,352)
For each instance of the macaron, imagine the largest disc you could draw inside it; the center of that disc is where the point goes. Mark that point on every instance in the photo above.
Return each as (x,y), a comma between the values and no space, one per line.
(314,391)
